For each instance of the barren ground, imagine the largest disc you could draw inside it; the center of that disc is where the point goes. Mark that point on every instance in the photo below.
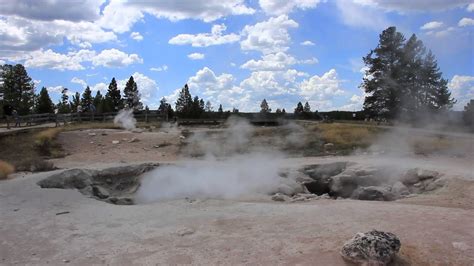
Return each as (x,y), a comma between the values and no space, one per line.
(435,229)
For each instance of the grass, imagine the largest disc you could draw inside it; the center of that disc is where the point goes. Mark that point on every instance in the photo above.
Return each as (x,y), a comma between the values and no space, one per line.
(5,170)
(44,142)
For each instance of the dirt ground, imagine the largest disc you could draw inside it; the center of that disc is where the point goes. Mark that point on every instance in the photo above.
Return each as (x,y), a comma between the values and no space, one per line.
(57,226)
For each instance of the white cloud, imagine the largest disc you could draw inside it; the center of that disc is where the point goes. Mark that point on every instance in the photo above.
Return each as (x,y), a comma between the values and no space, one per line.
(216,37)
(361,14)
(115,58)
(276,61)
(307,43)
(278,7)
(160,68)
(462,88)
(147,88)
(136,36)
(321,87)
(79,81)
(470,7)
(268,36)
(52,10)
(121,15)
(403,6)
(442,32)
(57,61)
(196,56)
(466,22)
(102,87)
(432,25)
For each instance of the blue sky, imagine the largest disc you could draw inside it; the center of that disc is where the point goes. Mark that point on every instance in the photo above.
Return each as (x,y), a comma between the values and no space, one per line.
(234,52)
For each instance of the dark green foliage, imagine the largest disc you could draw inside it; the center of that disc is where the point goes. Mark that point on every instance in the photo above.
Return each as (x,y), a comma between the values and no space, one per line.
(64,106)
(113,98)
(131,95)
(44,103)
(299,109)
(186,106)
(99,102)
(87,100)
(76,101)
(165,109)
(402,80)
(220,110)
(264,108)
(468,114)
(17,88)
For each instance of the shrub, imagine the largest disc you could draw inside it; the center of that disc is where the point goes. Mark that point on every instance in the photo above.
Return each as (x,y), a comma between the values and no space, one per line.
(44,140)
(5,170)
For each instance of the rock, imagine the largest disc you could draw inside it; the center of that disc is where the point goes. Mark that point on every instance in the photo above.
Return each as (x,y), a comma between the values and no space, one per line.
(185,231)
(74,178)
(399,189)
(436,184)
(290,187)
(182,137)
(115,141)
(372,193)
(120,201)
(133,140)
(92,134)
(280,197)
(328,146)
(416,175)
(371,248)
(100,192)
(137,130)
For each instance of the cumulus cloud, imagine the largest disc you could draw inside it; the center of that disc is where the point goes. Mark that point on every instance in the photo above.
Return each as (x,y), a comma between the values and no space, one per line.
(278,7)
(196,56)
(87,10)
(276,61)
(79,81)
(466,22)
(462,88)
(57,61)
(136,36)
(115,58)
(307,43)
(321,87)
(432,25)
(470,7)
(419,5)
(360,14)
(268,36)
(216,37)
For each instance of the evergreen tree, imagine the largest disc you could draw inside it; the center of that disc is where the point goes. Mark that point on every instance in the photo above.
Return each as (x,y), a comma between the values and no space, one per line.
(63,105)
(381,81)
(299,109)
(44,103)
(220,110)
(76,101)
(87,100)
(17,88)
(436,93)
(264,108)
(131,95)
(468,114)
(113,97)
(235,110)
(99,102)
(278,111)
(184,103)
(283,111)
(307,108)
(208,106)
(165,109)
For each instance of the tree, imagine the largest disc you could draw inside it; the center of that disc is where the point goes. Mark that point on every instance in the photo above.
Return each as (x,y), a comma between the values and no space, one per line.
(381,80)
(437,95)
(278,111)
(235,110)
(63,105)
(17,88)
(131,95)
(113,97)
(307,108)
(44,103)
(299,109)
(264,108)
(76,101)
(184,103)
(99,102)
(468,114)
(165,109)
(87,100)
(220,110)
(283,111)
(208,106)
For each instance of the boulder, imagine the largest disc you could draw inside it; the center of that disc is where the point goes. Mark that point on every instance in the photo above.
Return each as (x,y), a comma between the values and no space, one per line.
(100,192)
(372,193)
(371,248)
(416,175)
(279,197)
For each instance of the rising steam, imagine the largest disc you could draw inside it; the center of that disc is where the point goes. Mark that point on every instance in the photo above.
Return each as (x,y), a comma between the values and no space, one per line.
(125,119)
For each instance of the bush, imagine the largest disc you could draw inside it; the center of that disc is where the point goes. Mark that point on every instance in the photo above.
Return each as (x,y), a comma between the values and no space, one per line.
(35,165)
(44,140)
(5,170)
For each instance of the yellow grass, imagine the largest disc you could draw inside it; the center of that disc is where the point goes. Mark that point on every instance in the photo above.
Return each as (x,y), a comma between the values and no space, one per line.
(347,135)
(5,170)
(48,134)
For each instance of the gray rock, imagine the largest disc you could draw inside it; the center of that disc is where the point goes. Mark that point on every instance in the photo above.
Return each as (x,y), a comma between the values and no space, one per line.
(399,189)
(371,248)
(74,178)
(100,192)
(279,197)
(372,193)
(416,175)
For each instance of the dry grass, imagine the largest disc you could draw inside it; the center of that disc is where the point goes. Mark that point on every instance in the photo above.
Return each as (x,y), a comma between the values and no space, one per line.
(44,140)
(5,170)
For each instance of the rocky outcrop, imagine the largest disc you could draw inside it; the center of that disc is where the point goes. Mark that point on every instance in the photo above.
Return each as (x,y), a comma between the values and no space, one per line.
(371,248)
(115,185)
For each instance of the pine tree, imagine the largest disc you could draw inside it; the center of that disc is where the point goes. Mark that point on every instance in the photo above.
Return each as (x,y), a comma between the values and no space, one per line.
(76,101)
(99,102)
(208,106)
(307,108)
(381,81)
(299,109)
(278,111)
(264,108)
(220,110)
(87,100)
(63,105)
(131,95)
(113,97)
(17,88)
(44,103)
(283,111)
(436,93)
(184,103)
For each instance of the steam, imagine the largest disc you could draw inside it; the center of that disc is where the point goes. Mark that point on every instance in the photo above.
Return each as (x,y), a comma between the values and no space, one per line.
(125,119)
(231,167)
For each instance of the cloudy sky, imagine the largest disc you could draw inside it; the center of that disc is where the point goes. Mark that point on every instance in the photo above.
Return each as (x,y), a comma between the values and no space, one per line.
(231,52)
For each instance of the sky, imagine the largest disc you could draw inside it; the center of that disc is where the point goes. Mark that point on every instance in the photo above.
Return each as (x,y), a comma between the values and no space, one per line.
(232,52)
